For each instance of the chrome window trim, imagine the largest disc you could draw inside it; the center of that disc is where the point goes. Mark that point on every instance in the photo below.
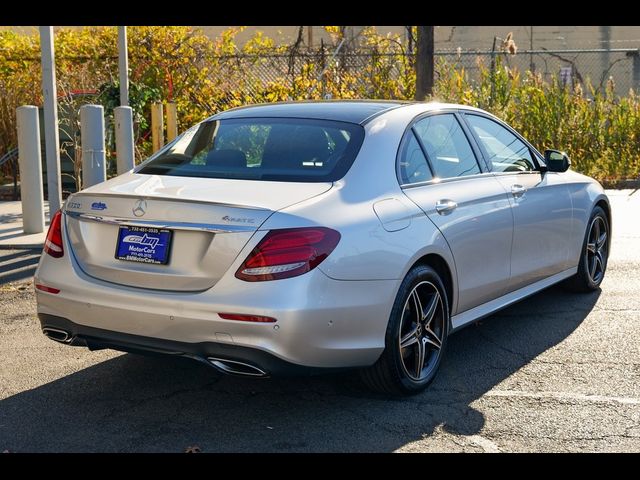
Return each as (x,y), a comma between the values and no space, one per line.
(437,181)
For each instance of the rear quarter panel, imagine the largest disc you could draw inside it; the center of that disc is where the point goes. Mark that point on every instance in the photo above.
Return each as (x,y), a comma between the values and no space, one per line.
(376,243)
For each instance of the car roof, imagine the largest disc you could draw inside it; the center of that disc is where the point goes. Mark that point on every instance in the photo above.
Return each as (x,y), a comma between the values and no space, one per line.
(353,111)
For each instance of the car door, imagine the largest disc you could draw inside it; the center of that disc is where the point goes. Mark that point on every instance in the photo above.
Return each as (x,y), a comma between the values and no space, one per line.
(540,202)
(440,170)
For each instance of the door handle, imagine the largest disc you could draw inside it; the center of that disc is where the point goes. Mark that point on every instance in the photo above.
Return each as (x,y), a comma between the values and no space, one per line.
(444,207)
(518,190)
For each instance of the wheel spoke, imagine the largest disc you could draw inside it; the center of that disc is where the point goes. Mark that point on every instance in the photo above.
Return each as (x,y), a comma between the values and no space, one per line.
(602,239)
(420,353)
(598,261)
(410,338)
(417,304)
(432,338)
(591,247)
(432,307)
(596,229)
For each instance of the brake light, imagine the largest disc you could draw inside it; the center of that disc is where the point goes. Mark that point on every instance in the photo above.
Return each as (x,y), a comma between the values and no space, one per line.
(53,242)
(287,253)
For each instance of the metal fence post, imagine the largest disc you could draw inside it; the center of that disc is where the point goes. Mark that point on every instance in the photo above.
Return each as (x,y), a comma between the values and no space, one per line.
(157,127)
(123,117)
(94,169)
(31,191)
(54,184)
(172,121)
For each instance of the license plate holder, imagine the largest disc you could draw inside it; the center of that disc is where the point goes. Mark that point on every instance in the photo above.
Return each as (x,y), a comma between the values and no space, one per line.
(143,244)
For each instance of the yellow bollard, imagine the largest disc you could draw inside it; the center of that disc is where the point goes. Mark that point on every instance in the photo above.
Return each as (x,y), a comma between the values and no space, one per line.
(172,121)
(157,126)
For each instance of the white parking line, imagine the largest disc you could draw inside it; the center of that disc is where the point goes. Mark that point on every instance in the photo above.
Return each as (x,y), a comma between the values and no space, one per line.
(564,396)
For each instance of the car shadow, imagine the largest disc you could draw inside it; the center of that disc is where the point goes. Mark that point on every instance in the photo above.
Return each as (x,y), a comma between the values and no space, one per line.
(17,265)
(136,403)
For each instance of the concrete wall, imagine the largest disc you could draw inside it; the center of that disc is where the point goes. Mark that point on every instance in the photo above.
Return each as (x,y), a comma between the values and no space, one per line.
(481,38)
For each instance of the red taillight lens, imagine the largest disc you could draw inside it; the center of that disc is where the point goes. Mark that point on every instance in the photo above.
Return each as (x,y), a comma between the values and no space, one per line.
(287,253)
(53,242)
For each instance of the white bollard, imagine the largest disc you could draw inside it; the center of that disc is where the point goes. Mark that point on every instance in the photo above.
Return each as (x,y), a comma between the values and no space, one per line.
(30,162)
(94,168)
(123,117)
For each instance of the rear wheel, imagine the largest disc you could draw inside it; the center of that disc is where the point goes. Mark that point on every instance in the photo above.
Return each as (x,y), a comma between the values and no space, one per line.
(594,256)
(416,336)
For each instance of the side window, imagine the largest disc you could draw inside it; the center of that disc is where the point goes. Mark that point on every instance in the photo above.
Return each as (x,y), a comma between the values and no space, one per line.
(413,164)
(446,146)
(506,152)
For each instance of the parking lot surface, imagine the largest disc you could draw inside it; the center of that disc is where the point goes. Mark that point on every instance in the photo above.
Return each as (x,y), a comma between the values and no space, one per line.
(557,372)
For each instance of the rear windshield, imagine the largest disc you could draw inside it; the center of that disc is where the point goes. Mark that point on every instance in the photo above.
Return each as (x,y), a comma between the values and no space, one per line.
(294,150)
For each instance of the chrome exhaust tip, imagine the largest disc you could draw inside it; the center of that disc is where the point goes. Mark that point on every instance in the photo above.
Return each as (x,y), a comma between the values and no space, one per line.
(58,335)
(234,367)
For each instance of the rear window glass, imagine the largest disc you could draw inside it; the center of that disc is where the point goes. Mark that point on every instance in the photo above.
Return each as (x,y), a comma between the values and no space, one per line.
(277,149)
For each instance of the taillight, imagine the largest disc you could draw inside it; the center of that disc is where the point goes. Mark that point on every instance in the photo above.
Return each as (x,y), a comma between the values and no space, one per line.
(53,242)
(287,253)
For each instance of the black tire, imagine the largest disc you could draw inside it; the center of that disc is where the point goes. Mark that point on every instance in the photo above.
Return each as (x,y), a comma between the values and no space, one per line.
(584,280)
(391,373)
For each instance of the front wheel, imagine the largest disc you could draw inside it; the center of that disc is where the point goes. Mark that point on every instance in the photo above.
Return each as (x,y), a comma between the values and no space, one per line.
(594,255)
(416,336)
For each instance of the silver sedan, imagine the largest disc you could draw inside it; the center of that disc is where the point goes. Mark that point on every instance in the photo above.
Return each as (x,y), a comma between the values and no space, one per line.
(315,236)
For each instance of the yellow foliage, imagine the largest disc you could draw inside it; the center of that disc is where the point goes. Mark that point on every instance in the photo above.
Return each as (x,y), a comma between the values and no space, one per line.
(203,76)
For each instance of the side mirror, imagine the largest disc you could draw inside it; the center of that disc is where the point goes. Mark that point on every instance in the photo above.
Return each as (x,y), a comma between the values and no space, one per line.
(556,161)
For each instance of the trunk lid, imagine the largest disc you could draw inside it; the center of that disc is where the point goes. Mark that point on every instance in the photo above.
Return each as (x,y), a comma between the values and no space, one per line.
(211,220)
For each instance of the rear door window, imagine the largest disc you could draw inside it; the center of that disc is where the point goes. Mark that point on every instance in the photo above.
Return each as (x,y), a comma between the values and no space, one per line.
(446,146)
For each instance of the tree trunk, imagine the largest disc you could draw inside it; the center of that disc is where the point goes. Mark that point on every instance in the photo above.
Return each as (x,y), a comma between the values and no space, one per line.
(424,62)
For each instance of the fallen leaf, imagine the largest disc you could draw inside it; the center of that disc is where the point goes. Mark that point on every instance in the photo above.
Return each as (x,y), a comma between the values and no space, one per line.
(193,449)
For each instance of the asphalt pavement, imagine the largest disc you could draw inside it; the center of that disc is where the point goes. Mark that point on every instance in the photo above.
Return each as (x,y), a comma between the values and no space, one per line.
(557,372)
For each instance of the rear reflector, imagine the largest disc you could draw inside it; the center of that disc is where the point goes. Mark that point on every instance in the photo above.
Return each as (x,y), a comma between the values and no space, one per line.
(44,288)
(287,253)
(247,318)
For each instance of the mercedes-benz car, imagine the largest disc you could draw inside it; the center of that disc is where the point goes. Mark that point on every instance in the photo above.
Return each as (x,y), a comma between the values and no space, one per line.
(309,237)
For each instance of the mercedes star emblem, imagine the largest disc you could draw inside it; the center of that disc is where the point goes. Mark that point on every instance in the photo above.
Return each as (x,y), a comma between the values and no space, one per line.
(140,209)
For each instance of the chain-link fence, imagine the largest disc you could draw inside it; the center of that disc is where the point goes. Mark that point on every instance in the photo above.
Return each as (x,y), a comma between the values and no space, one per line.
(569,66)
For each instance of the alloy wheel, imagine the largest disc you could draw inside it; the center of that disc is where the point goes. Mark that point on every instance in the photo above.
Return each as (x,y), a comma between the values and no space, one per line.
(421,331)
(596,253)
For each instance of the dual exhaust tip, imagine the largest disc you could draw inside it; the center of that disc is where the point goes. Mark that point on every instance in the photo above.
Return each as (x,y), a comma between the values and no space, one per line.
(223,365)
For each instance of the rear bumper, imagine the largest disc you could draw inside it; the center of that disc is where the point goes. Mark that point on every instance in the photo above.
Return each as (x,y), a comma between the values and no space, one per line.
(321,322)
(97,338)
